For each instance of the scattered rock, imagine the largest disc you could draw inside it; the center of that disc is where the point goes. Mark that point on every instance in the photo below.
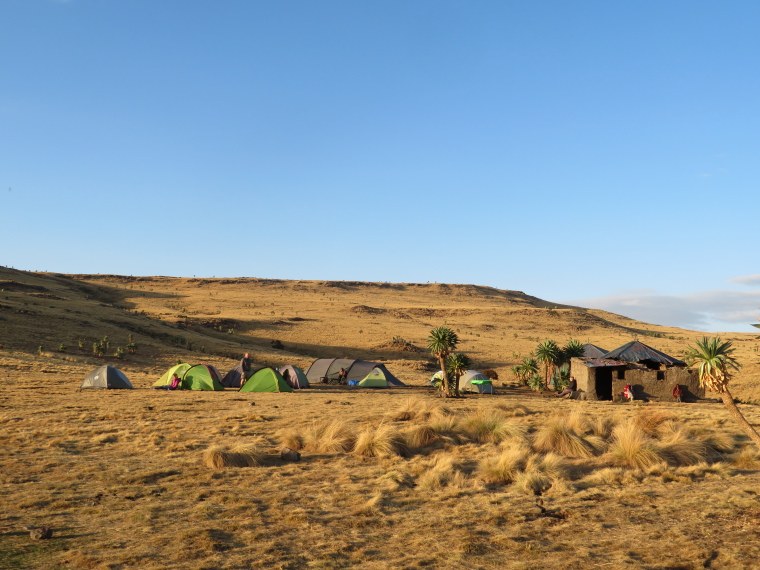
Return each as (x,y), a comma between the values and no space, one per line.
(253,403)
(290,455)
(328,402)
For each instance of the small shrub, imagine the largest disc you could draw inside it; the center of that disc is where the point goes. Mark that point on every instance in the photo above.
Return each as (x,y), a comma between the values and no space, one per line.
(491,374)
(535,382)
(61,347)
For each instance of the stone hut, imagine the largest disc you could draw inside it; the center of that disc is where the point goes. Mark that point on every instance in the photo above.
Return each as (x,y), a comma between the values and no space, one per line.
(652,374)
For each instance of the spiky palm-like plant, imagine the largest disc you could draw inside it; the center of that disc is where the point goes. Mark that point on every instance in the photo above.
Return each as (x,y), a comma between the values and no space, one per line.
(715,362)
(550,355)
(441,342)
(457,365)
(573,349)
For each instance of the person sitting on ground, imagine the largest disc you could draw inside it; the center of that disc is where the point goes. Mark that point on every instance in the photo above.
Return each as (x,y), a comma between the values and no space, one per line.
(343,376)
(571,387)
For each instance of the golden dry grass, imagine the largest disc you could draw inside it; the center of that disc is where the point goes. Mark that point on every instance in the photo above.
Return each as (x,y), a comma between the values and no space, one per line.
(114,473)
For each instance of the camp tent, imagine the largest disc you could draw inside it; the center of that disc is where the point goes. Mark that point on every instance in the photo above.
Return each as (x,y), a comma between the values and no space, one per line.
(266,380)
(474,381)
(437,377)
(166,379)
(106,377)
(202,377)
(237,376)
(294,376)
(326,369)
(375,379)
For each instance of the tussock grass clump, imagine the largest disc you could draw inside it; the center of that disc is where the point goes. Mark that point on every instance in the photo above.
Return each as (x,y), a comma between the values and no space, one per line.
(444,472)
(491,426)
(218,457)
(719,442)
(680,449)
(651,421)
(505,467)
(603,426)
(381,441)
(542,472)
(370,507)
(630,447)
(746,458)
(514,410)
(558,437)
(610,476)
(449,429)
(533,482)
(416,408)
(421,436)
(577,421)
(322,437)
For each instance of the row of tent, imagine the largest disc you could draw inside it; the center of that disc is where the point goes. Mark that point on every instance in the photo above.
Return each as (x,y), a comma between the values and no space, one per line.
(360,373)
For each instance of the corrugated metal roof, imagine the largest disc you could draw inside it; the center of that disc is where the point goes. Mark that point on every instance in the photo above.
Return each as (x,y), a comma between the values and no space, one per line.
(601,362)
(636,351)
(593,351)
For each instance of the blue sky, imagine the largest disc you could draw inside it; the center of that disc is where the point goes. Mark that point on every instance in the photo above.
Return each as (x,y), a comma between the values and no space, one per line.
(593,152)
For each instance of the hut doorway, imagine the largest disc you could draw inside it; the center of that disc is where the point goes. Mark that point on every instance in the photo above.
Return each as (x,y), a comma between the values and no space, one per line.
(603,383)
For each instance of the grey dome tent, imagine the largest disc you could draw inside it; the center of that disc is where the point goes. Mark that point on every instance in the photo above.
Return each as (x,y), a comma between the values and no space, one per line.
(106,377)
(326,369)
(294,376)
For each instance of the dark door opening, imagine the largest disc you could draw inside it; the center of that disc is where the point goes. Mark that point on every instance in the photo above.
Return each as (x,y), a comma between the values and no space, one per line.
(603,379)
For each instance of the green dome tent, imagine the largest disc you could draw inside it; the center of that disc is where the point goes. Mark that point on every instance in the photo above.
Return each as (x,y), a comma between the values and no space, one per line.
(106,377)
(294,376)
(375,379)
(166,379)
(266,380)
(202,377)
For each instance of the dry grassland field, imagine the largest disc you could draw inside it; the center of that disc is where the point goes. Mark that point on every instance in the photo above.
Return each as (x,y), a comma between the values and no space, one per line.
(391,478)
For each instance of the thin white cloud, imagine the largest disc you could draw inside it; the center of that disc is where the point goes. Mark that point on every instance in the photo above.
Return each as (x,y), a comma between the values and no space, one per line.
(751,280)
(703,310)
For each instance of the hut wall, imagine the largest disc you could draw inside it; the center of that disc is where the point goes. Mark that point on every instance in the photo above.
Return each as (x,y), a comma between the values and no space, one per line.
(647,386)
(584,377)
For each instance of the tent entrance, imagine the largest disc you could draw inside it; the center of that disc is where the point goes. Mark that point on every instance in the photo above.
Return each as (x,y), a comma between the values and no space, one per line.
(603,383)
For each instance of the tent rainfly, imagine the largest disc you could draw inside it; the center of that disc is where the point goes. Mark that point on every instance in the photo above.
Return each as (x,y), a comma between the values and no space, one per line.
(106,377)
(202,377)
(166,379)
(294,376)
(266,380)
(474,381)
(326,369)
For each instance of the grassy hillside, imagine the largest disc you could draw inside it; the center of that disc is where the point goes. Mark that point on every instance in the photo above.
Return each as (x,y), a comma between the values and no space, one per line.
(395,478)
(216,320)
